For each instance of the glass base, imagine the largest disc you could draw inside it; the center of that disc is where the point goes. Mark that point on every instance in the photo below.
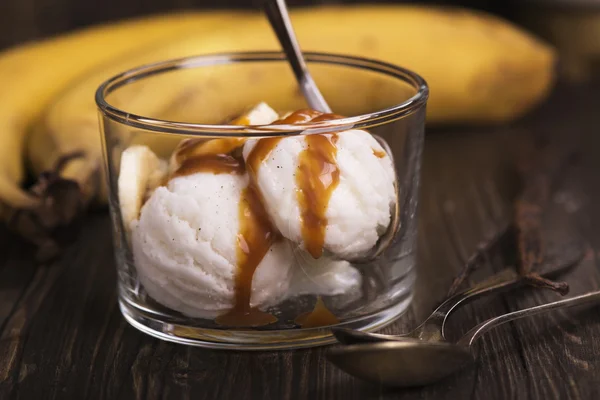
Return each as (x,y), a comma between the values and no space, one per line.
(252,339)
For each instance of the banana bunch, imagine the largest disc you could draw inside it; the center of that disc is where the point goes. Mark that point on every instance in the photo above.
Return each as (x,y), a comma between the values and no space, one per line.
(35,73)
(480,69)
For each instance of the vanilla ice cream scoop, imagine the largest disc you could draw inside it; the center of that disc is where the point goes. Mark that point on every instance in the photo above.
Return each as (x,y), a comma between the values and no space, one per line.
(219,238)
(186,248)
(203,244)
(332,192)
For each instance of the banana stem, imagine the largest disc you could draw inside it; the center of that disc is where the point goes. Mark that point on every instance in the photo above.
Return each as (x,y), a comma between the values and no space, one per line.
(62,195)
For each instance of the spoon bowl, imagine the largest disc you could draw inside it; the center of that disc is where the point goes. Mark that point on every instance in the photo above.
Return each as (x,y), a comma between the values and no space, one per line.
(401,363)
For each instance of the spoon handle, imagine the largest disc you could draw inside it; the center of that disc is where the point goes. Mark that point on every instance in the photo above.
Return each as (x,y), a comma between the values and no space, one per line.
(503,281)
(279,18)
(477,331)
(433,328)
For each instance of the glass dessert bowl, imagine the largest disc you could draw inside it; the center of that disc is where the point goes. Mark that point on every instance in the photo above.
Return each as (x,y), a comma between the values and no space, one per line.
(243,219)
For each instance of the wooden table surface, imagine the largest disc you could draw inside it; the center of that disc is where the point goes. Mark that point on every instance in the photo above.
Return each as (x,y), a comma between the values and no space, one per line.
(62,335)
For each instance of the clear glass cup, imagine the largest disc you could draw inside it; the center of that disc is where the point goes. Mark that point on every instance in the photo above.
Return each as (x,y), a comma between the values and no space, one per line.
(182,284)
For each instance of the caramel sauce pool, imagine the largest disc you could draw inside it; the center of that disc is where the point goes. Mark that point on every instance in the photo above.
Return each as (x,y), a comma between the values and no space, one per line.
(319,316)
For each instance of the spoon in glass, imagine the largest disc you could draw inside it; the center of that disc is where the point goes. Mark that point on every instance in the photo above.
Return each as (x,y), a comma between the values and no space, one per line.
(279,18)
(414,362)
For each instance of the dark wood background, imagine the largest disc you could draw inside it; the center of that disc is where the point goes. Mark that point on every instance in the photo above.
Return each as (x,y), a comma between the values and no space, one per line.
(62,335)
(22,20)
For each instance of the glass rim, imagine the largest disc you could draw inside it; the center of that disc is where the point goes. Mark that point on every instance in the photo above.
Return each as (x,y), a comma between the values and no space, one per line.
(379,117)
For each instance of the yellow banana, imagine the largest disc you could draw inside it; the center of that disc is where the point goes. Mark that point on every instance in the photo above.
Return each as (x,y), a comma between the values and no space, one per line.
(70,124)
(479,68)
(34,73)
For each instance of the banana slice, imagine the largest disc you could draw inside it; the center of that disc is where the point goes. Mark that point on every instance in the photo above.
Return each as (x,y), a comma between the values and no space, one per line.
(141,172)
(261,114)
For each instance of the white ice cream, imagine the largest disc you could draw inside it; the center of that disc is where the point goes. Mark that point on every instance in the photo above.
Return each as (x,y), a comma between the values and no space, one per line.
(323,276)
(359,208)
(184,241)
(185,247)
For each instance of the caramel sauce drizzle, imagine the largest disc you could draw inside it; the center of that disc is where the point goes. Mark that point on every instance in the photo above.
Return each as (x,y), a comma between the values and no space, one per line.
(379,153)
(195,148)
(256,234)
(243,120)
(260,152)
(263,147)
(186,149)
(317,177)
(254,240)
(217,163)
(319,316)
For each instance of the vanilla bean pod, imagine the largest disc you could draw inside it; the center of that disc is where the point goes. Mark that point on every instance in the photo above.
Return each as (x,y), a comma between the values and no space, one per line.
(540,171)
(483,248)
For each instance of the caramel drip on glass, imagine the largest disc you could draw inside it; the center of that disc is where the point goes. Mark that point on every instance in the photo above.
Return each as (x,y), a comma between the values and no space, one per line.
(319,316)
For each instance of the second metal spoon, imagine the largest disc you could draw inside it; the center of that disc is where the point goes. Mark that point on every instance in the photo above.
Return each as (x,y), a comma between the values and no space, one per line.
(412,362)
(433,328)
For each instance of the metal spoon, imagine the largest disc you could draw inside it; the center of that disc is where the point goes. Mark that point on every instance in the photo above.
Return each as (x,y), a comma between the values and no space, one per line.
(433,328)
(413,362)
(279,18)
